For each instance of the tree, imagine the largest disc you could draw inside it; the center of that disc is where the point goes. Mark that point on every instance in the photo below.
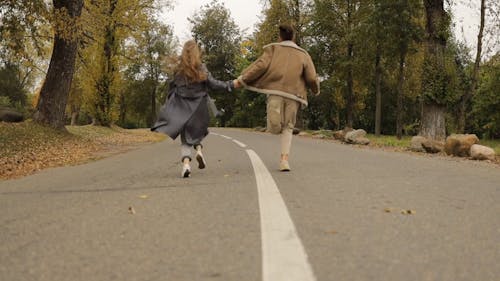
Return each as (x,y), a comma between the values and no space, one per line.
(336,45)
(11,87)
(54,93)
(218,34)
(435,77)
(278,12)
(485,116)
(465,100)
(22,28)
(109,26)
(25,36)
(152,56)
(405,31)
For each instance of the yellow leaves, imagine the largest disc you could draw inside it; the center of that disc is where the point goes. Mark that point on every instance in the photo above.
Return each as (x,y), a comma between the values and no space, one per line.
(64,25)
(403,211)
(388,210)
(26,148)
(408,212)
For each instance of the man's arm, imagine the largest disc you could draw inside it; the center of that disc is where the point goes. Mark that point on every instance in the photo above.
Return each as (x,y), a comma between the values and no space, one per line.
(310,76)
(257,68)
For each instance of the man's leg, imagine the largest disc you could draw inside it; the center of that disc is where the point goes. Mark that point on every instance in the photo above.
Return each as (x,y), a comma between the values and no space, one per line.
(274,111)
(289,118)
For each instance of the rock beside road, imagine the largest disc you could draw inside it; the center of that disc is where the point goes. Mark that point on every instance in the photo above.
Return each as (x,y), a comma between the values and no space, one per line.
(340,134)
(460,144)
(431,146)
(416,144)
(357,137)
(481,152)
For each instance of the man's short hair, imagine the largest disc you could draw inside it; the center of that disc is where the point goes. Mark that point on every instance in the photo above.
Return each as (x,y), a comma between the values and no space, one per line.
(286,32)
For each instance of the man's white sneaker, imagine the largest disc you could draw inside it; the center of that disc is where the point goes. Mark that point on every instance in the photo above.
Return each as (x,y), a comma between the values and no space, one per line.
(284,166)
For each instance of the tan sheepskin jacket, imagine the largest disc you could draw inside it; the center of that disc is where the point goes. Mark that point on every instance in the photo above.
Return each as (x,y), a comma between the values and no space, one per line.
(284,69)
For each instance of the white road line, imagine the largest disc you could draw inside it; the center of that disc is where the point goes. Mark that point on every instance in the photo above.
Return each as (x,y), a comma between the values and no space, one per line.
(240,143)
(283,255)
(226,137)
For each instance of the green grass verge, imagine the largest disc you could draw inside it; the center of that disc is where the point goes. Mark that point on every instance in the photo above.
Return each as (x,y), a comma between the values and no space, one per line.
(495,144)
(391,141)
(404,142)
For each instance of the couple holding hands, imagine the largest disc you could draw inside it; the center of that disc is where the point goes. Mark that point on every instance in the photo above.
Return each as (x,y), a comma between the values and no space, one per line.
(283,72)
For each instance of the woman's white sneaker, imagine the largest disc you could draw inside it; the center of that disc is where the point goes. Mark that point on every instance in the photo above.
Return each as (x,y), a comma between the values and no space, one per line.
(186,171)
(201,161)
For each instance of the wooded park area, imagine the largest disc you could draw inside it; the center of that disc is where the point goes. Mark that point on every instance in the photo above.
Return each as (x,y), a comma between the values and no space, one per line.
(389,67)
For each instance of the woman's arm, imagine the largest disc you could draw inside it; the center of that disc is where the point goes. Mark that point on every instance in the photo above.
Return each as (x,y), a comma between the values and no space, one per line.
(215,84)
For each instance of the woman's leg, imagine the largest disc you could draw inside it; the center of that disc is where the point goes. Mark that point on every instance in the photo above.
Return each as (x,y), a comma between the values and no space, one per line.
(199,156)
(185,157)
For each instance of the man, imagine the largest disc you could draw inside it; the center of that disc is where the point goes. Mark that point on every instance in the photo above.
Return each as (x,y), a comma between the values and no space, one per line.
(283,72)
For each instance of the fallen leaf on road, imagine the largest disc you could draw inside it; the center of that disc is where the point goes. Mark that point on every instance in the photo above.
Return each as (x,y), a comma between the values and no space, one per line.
(388,210)
(331,232)
(226,176)
(144,196)
(408,212)
(131,210)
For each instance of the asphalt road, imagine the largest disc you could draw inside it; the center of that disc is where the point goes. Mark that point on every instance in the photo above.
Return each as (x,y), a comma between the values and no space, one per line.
(343,204)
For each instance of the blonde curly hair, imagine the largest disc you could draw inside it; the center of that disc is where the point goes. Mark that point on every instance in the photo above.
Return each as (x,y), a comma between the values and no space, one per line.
(190,65)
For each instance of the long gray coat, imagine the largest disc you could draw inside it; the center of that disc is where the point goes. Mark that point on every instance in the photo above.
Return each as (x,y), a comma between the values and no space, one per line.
(186,110)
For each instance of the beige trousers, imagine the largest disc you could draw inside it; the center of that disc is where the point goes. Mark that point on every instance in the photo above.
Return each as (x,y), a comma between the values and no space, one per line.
(281,118)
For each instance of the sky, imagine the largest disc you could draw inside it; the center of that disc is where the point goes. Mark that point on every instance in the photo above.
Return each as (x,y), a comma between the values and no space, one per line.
(244,12)
(247,13)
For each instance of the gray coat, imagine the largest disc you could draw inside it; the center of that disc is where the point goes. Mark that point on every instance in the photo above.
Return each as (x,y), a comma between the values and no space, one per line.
(186,110)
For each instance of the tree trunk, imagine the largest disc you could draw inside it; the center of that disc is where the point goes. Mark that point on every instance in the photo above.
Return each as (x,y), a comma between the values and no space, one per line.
(378,92)
(400,94)
(464,103)
(105,97)
(350,88)
(350,101)
(153,105)
(297,22)
(51,105)
(433,118)
(434,79)
(123,110)
(74,117)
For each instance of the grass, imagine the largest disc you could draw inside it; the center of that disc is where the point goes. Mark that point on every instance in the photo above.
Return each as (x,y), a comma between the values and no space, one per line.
(391,141)
(495,144)
(326,133)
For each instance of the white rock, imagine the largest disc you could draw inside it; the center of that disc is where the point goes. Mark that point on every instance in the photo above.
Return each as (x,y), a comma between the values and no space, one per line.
(416,143)
(481,152)
(351,136)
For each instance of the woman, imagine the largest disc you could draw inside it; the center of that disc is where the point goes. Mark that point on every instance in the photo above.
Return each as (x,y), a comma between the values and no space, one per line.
(186,110)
